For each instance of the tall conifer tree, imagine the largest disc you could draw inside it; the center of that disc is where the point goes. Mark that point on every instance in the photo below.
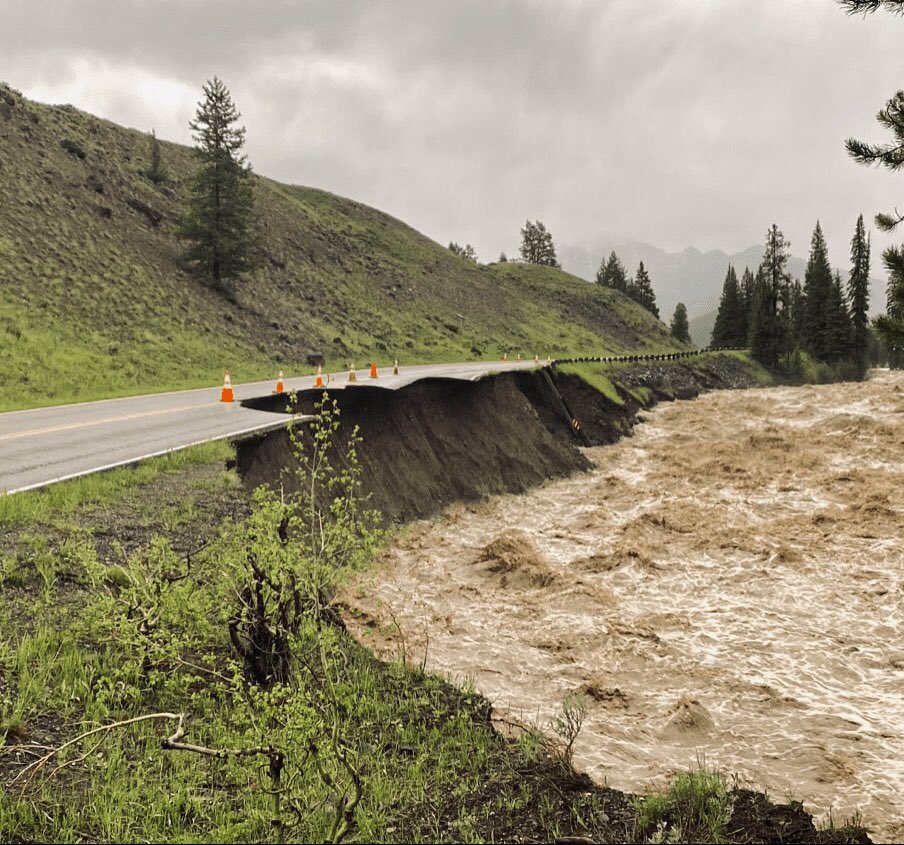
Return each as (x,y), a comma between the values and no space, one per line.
(680,329)
(890,326)
(858,295)
(817,297)
(748,286)
(643,291)
(217,220)
(730,328)
(838,323)
(796,319)
(767,333)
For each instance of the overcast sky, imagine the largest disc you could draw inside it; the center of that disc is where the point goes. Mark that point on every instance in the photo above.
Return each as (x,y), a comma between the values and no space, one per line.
(676,122)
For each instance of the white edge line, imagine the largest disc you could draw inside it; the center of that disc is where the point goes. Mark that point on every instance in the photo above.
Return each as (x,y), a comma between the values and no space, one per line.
(160,453)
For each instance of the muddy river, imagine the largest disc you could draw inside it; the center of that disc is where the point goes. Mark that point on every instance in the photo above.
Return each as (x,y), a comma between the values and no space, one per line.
(726,584)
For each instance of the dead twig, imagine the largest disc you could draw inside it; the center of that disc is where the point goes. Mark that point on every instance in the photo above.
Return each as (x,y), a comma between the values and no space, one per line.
(32,769)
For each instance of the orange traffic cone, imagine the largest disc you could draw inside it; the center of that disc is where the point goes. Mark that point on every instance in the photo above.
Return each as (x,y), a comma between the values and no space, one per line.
(505,356)
(319,381)
(395,367)
(279,384)
(352,375)
(226,393)
(373,369)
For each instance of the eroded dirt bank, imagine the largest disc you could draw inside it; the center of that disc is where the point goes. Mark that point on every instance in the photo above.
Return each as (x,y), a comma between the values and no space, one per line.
(438,442)
(725,583)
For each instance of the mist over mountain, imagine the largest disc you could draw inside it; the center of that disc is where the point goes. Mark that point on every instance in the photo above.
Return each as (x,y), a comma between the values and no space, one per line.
(692,277)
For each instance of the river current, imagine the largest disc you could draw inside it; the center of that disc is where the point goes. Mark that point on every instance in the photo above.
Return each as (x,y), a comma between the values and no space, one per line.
(724,585)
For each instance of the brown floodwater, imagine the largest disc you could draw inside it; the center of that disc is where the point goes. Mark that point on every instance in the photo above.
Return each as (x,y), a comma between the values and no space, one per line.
(726,584)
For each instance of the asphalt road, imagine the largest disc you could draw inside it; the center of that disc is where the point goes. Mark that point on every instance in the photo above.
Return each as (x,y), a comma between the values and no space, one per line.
(41,446)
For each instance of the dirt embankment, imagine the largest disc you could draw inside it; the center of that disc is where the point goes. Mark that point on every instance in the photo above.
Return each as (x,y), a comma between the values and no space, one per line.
(440,441)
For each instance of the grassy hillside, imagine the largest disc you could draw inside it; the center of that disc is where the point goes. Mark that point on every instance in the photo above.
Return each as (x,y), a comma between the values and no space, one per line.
(96,301)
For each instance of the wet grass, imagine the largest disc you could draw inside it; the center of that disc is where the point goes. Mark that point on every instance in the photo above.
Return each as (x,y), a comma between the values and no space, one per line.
(596,375)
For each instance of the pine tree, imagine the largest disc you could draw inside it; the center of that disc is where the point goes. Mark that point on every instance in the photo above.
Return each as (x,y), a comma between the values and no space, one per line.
(644,292)
(631,291)
(858,295)
(730,328)
(817,296)
(612,274)
(537,246)
(767,333)
(218,214)
(680,329)
(798,310)
(157,171)
(762,333)
(890,326)
(467,251)
(837,323)
(748,285)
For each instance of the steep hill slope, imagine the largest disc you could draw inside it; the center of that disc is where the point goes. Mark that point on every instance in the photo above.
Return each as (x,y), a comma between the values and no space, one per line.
(95,299)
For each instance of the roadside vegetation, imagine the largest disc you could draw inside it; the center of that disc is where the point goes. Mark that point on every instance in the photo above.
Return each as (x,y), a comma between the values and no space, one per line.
(607,377)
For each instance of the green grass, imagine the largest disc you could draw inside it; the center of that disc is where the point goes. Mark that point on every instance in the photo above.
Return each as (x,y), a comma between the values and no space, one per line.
(597,376)
(46,504)
(695,808)
(95,306)
(602,376)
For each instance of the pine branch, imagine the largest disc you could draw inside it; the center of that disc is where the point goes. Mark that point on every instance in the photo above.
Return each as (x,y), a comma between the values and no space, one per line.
(888,155)
(887,222)
(866,7)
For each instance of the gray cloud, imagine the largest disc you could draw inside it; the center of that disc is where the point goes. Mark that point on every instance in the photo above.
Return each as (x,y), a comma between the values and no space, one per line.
(677,122)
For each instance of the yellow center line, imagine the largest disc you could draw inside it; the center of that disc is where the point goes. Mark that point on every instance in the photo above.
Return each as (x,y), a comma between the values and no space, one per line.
(34,432)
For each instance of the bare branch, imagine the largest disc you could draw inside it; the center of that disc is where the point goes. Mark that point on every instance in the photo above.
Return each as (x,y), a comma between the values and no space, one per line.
(32,769)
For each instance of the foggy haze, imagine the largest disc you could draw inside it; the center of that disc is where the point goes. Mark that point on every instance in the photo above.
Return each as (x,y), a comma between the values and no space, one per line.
(675,122)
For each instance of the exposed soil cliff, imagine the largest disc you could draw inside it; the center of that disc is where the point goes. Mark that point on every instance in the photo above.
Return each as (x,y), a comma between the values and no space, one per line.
(440,441)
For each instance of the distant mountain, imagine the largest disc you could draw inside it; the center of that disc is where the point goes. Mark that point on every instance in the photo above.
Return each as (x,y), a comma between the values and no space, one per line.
(701,328)
(691,276)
